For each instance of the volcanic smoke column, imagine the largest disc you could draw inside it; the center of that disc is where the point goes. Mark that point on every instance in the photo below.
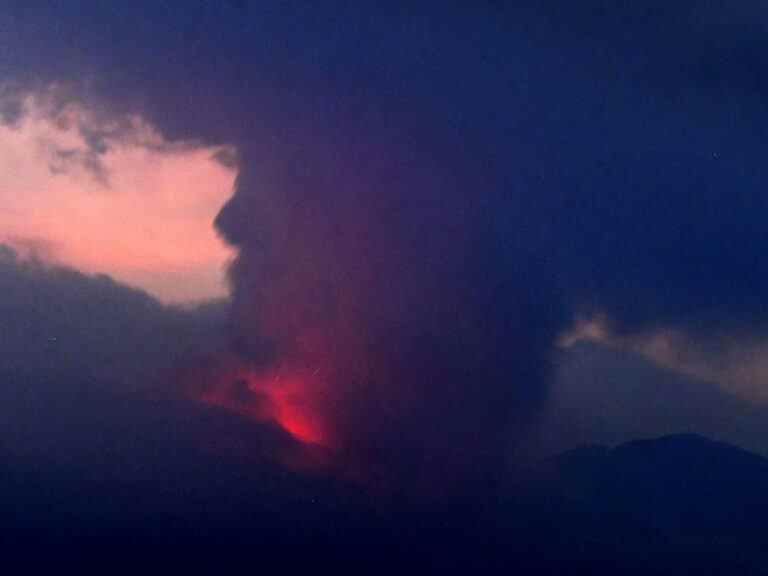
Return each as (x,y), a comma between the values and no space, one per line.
(375,291)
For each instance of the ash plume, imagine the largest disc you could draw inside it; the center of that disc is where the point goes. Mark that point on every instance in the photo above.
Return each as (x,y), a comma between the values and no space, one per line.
(376,270)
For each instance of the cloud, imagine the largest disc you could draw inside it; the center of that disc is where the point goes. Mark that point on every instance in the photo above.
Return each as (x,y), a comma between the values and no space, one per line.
(735,360)
(109,194)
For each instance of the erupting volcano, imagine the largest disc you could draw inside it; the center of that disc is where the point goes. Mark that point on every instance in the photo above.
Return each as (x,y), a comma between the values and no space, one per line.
(283,395)
(374,310)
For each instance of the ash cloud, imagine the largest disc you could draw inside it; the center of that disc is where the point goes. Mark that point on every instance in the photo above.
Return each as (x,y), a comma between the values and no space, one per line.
(375,269)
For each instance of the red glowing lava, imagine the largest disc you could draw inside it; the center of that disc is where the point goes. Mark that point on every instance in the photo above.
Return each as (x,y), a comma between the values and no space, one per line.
(292,413)
(281,395)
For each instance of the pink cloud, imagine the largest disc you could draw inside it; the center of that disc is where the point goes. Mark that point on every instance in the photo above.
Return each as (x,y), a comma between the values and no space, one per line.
(137,208)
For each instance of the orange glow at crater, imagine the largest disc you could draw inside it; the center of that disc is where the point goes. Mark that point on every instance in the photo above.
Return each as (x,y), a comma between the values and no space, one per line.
(291,412)
(281,395)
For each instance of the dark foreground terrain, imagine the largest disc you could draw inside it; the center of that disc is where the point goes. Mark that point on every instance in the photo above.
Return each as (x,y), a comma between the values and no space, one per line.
(673,505)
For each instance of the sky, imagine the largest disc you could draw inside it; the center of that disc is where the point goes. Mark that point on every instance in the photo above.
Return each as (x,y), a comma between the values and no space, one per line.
(139,208)
(398,231)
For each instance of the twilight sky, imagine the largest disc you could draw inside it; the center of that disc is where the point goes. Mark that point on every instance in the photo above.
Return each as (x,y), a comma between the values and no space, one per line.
(420,206)
(141,210)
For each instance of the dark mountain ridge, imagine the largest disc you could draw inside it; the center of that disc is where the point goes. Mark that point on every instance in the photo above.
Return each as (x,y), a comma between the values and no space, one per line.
(659,506)
(679,502)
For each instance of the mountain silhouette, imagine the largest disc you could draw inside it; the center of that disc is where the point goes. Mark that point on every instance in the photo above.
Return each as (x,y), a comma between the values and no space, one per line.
(679,502)
(670,505)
